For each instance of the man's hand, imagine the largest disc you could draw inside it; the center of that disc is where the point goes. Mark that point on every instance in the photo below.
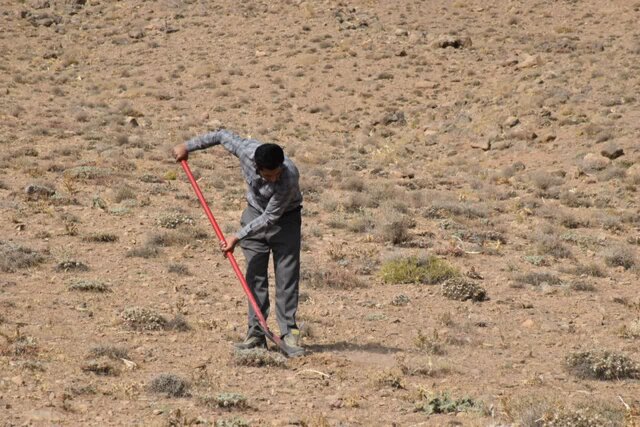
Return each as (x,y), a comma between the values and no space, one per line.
(230,245)
(180,152)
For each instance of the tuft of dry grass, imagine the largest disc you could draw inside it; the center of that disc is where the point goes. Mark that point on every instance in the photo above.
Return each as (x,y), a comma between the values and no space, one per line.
(171,385)
(225,401)
(392,378)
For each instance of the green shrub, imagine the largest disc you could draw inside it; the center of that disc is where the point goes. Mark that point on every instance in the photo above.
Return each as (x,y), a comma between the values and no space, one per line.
(429,270)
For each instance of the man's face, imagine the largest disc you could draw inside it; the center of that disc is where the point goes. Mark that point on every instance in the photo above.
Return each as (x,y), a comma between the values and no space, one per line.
(270,175)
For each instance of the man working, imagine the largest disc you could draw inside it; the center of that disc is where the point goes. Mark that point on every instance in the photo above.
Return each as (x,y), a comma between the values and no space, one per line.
(270,223)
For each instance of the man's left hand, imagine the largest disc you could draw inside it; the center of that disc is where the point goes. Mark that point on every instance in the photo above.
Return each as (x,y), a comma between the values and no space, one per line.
(230,245)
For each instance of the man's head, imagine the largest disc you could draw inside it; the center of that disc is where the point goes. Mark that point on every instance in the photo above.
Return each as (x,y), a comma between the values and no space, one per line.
(269,159)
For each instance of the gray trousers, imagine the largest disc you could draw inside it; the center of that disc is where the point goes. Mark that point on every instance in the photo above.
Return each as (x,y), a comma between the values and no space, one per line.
(283,239)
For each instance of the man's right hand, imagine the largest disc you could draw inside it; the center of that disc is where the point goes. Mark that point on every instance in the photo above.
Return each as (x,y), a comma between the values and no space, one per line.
(180,152)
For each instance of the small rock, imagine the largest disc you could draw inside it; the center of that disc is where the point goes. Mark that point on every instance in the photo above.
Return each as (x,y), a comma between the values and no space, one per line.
(529,323)
(37,192)
(481,144)
(131,121)
(522,134)
(454,42)
(612,152)
(136,34)
(511,122)
(529,61)
(593,162)
(633,172)
(396,117)
(17,380)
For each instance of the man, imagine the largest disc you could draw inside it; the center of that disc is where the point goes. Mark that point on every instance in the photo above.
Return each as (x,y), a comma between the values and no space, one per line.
(270,223)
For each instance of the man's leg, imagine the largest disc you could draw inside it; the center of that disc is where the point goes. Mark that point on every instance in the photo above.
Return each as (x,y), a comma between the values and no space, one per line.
(256,254)
(285,244)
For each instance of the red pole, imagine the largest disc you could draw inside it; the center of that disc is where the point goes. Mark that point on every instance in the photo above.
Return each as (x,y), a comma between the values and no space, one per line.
(230,256)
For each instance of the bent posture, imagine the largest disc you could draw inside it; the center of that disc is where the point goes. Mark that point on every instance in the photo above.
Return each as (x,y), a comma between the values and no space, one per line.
(270,223)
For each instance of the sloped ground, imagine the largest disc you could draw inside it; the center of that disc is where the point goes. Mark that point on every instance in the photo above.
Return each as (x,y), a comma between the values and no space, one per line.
(499,139)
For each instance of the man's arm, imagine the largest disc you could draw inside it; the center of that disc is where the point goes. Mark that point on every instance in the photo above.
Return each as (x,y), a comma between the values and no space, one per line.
(227,139)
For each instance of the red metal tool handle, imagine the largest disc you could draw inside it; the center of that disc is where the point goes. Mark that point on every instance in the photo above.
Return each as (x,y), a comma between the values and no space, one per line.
(263,323)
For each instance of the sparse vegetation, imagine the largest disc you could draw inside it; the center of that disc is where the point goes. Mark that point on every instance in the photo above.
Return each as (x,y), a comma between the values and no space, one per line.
(101,238)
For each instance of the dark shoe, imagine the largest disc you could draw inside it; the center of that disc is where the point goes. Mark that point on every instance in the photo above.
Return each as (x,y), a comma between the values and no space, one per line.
(292,341)
(251,342)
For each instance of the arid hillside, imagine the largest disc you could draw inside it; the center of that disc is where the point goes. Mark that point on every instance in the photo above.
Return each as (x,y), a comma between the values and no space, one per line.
(471,222)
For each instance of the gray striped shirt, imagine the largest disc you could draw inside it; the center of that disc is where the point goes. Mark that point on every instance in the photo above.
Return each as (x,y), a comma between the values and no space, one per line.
(272,199)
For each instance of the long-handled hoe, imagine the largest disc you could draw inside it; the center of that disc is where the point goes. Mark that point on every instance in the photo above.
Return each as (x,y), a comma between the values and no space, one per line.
(263,323)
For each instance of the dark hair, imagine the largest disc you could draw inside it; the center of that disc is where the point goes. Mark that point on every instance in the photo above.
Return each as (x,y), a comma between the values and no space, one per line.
(269,156)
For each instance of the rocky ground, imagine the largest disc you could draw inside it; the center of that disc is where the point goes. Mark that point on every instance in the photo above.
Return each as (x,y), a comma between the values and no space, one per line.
(471,221)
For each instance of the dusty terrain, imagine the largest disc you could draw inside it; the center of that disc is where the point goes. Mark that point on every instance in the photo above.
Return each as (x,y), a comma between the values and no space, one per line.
(500,137)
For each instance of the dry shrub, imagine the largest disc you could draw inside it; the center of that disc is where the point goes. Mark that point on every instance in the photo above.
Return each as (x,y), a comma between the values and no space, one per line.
(539,279)
(180,269)
(146,251)
(390,378)
(176,238)
(444,208)
(602,365)
(544,412)
(143,319)
(226,401)
(592,270)
(258,357)
(109,351)
(101,366)
(233,422)
(125,193)
(101,238)
(620,256)
(432,344)
(13,257)
(173,220)
(394,227)
(429,270)
(171,385)
(335,278)
(461,289)
(631,331)
(552,245)
(89,286)
(71,265)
